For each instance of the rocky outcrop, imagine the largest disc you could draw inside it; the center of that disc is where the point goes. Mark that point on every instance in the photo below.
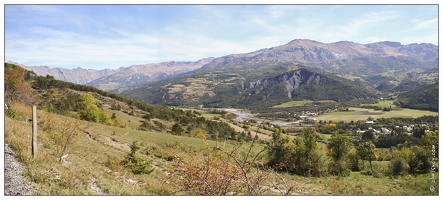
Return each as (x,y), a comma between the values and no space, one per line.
(291,81)
(306,84)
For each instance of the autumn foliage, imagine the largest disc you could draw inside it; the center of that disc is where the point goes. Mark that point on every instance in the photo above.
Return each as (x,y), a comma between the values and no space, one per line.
(18,86)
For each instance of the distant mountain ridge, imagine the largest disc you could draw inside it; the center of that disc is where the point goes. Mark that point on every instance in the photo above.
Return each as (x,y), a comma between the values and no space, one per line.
(76,75)
(309,51)
(111,79)
(140,74)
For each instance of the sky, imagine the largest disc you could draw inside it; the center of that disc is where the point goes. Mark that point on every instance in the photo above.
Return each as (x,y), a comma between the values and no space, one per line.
(113,36)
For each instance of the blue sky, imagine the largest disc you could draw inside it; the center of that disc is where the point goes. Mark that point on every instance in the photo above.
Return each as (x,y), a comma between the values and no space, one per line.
(112,36)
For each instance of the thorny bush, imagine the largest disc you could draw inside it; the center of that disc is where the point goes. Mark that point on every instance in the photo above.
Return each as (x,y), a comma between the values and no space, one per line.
(226,172)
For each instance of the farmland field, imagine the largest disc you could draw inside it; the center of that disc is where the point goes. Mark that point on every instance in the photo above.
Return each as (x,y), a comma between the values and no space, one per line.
(382,104)
(363,113)
(300,103)
(326,136)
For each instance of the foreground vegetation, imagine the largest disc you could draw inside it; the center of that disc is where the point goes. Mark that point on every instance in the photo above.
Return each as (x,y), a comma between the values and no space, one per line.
(88,171)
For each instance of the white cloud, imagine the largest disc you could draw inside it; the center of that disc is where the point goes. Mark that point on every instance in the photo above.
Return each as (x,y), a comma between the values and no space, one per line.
(420,25)
(88,41)
(367,21)
(372,39)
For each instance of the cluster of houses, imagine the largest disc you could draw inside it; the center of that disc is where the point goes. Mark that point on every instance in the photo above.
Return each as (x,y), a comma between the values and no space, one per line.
(308,116)
(385,131)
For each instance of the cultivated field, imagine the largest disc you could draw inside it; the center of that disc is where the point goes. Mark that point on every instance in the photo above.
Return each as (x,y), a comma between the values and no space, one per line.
(355,114)
(382,104)
(300,103)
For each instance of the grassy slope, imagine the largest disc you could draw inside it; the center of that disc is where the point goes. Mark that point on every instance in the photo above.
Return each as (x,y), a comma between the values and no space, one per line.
(86,163)
(85,171)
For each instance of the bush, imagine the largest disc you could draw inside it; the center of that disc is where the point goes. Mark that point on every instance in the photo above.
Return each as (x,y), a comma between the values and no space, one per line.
(225,173)
(301,156)
(136,164)
(398,166)
(10,113)
(339,168)
(354,161)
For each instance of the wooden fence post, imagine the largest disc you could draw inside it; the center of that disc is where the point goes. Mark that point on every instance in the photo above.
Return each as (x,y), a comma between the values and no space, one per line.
(34,131)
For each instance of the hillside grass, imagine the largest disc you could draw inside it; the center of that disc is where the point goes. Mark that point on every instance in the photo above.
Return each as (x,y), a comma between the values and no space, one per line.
(355,114)
(358,184)
(325,136)
(91,167)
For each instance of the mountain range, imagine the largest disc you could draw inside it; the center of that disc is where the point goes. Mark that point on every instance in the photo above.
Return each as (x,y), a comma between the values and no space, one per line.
(309,51)
(274,75)
(123,77)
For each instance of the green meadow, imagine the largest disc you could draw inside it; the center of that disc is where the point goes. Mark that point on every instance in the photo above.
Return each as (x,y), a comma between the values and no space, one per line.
(300,103)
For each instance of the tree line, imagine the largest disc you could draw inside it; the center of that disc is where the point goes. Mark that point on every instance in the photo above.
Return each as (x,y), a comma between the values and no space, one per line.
(304,156)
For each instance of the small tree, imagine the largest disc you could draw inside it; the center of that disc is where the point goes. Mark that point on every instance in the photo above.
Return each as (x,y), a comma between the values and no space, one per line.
(398,166)
(366,151)
(339,146)
(135,163)
(200,134)
(17,85)
(88,109)
(61,135)
(331,127)
(177,129)
(368,136)
(338,149)
(430,141)
(354,160)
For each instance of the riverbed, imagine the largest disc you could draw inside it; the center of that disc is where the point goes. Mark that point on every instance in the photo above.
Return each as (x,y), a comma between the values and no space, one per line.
(243,115)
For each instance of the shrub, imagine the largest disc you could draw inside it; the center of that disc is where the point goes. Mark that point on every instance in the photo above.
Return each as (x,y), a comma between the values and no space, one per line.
(398,166)
(226,172)
(301,156)
(339,168)
(354,161)
(135,163)
(10,113)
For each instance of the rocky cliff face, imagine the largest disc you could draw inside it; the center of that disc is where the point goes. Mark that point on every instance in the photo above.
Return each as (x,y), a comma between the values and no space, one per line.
(307,83)
(291,81)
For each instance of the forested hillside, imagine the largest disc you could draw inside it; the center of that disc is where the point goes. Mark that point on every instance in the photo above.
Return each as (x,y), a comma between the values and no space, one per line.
(422,98)
(252,86)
